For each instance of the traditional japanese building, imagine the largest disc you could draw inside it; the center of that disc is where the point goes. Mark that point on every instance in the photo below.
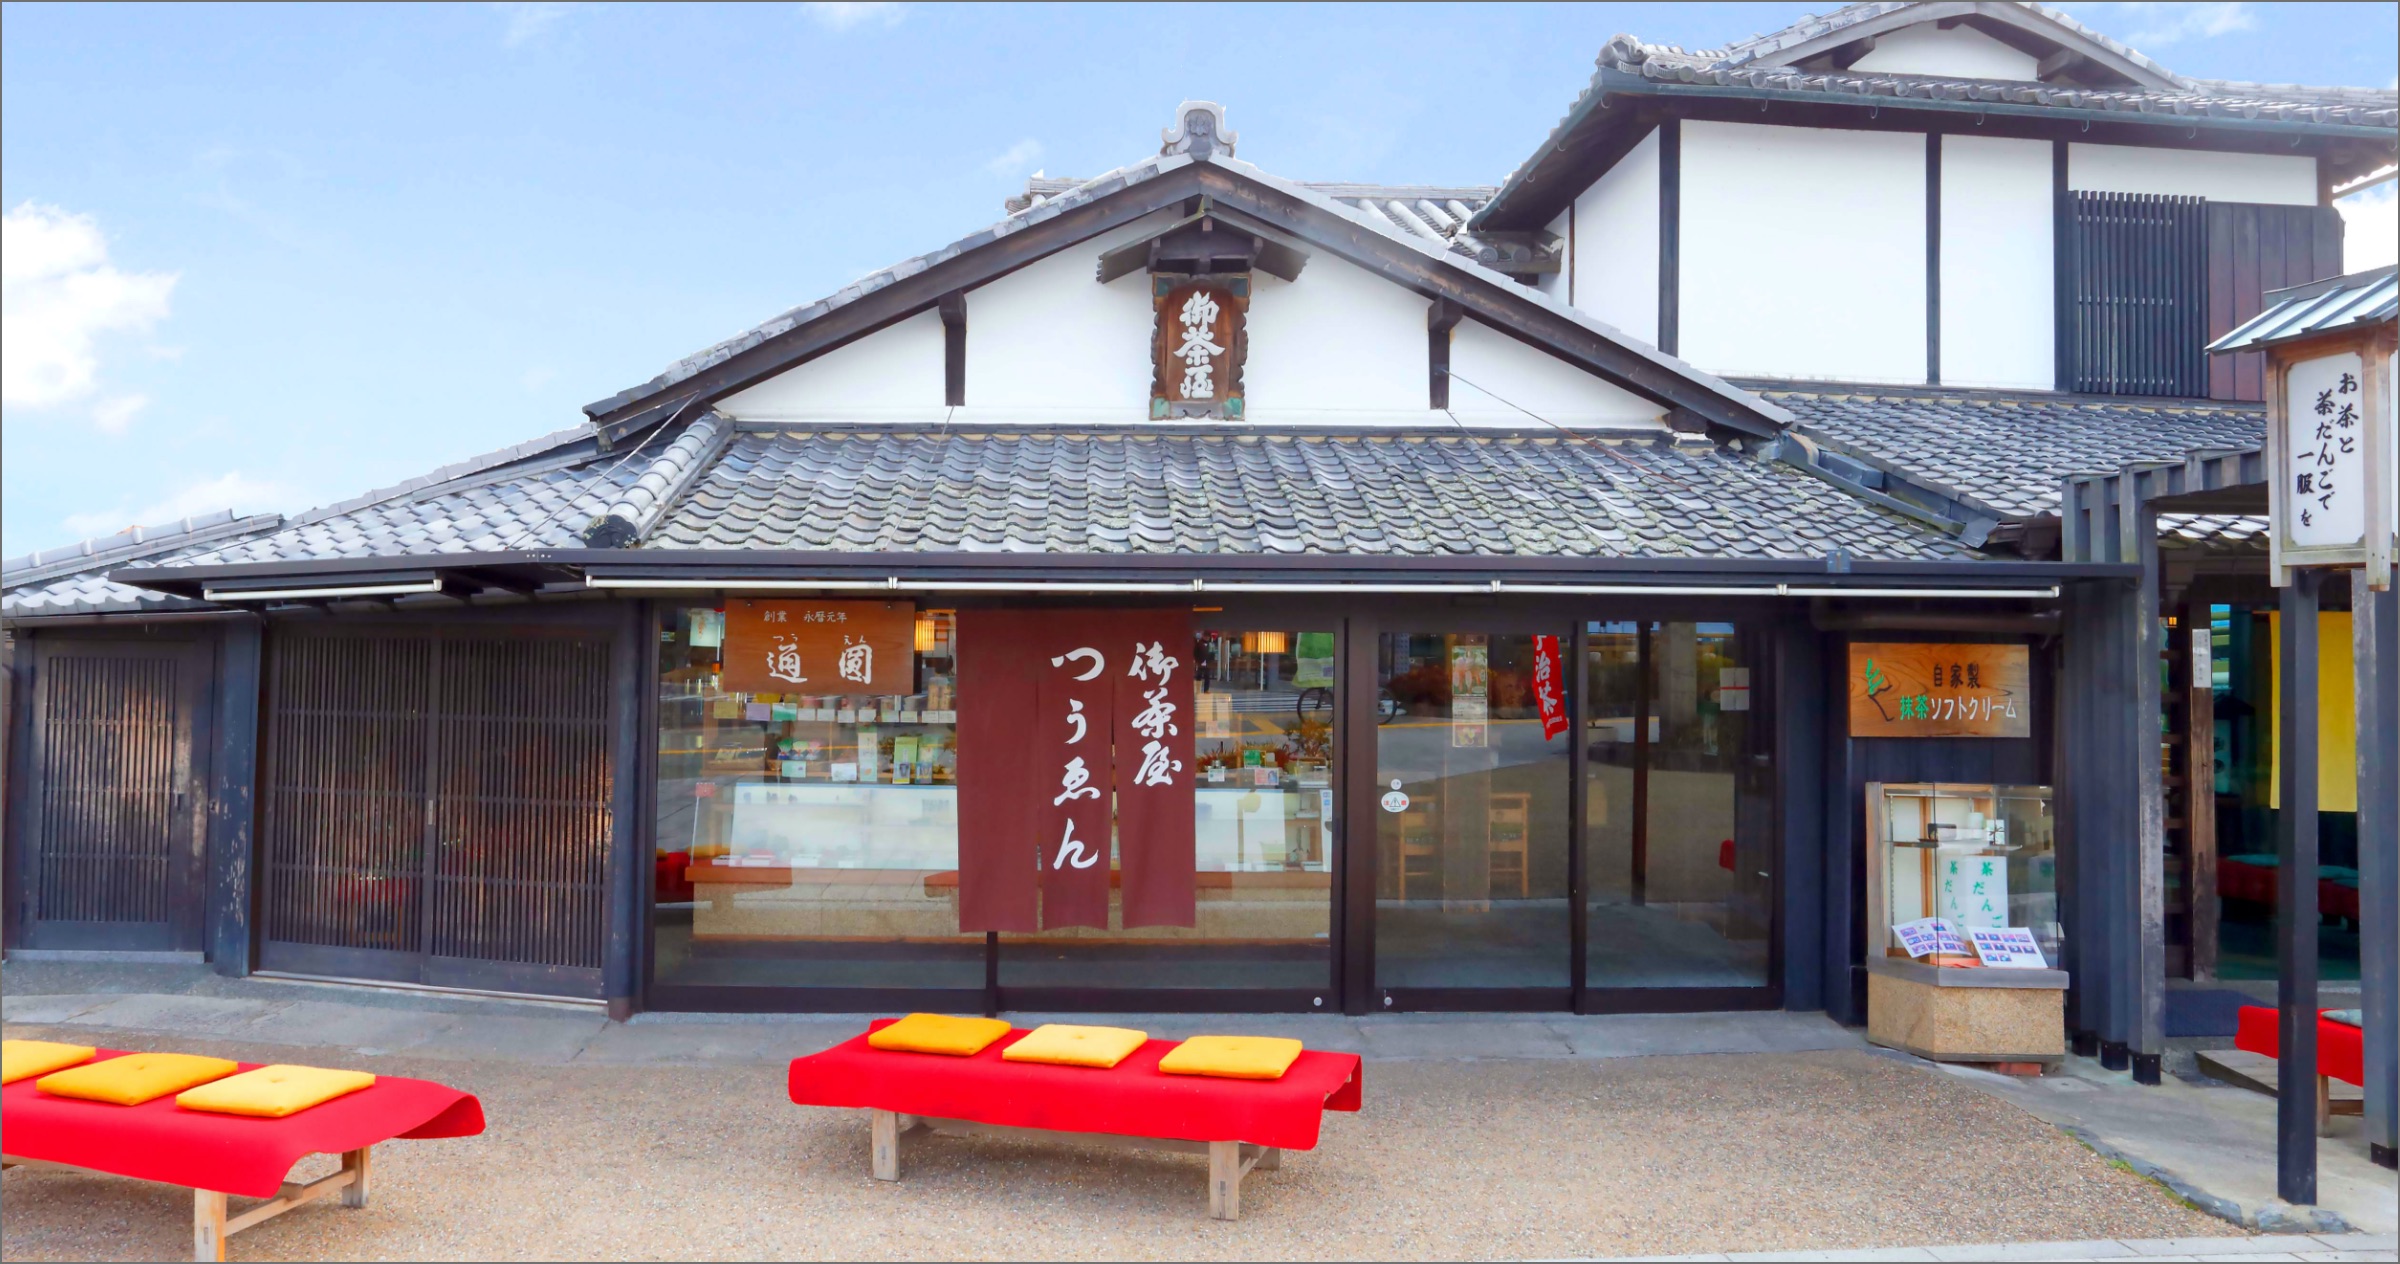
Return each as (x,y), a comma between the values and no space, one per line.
(1208,589)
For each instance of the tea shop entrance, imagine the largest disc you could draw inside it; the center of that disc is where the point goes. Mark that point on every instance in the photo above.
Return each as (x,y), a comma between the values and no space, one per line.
(1575,818)
(1427,808)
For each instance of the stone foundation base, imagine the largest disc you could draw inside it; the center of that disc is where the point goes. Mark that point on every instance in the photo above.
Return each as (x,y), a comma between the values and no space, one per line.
(1966,1024)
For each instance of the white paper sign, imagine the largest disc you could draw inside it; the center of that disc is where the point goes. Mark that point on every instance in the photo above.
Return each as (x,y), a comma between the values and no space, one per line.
(1974,890)
(2007,948)
(1733,689)
(2325,447)
(1928,935)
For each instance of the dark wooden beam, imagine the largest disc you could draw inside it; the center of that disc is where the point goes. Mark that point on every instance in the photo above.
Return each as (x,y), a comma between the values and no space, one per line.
(1670,234)
(1933,258)
(2058,63)
(1440,319)
(1848,54)
(953,307)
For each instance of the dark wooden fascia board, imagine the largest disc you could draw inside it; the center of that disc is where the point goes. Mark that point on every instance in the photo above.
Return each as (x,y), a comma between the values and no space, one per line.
(903,298)
(1502,305)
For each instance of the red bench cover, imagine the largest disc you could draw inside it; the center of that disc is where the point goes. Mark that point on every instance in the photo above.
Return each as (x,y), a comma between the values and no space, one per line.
(1133,1098)
(2341,1048)
(235,1154)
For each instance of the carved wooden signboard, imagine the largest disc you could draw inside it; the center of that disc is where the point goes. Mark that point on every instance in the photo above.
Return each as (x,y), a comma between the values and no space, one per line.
(820,647)
(1908,689)
(1199,345)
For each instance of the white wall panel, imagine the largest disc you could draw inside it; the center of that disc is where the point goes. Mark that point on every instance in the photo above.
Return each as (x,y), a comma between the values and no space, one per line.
(895,371)
(1339,339)
(1534,380)
(1616,244)
(1049,336)
(1554,284)
(1926,49)
(2281,179)
(1996,263)
(1803,252)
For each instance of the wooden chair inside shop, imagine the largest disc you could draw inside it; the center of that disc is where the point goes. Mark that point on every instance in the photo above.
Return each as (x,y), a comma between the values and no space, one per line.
(1421,844)
(1512,829)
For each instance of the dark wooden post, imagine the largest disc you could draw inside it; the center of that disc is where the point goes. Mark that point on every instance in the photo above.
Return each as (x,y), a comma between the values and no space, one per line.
(2200,789)
(232,800)
(2375,645)
(2296,897)
(1641,766)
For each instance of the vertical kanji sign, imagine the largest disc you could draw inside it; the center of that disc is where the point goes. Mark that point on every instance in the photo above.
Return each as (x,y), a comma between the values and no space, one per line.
(1155,768)
(1074,799)
(1549,687)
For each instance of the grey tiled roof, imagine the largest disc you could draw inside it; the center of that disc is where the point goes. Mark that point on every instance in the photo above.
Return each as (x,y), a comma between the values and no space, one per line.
(2213,533)
(75,581)
(2007,451)
(1214,492)
(545,504)
(2364,298)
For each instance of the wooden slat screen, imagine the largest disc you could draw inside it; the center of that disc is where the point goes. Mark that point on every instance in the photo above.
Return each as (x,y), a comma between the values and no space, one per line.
(2136,310)
(108,781)
(344,834)
(439,796)
(522,811)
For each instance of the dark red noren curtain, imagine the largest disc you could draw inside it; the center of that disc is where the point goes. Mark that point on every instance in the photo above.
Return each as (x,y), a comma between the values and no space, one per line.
(997,765)
(1155,766)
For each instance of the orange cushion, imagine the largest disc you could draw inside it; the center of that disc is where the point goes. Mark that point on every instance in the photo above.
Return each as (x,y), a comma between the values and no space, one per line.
(136,1077)
(1233,1057)
(1065,1044)
(21,1058)
(939,1033)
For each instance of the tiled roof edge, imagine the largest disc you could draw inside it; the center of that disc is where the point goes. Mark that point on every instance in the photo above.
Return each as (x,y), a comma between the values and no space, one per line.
(132,544)
(456,470)
(627,521)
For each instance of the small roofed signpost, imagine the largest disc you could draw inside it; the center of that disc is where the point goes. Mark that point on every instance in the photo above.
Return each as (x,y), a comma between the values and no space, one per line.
(2331,498)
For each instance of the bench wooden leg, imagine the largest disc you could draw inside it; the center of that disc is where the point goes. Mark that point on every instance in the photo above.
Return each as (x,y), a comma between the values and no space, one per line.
(1225,1180)
(1269,1159)
(354,1162)
(2324,1106)
(884,1129)
(208,1225)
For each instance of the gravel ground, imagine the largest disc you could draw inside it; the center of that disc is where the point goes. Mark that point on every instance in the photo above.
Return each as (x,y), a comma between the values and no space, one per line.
(1450,1160)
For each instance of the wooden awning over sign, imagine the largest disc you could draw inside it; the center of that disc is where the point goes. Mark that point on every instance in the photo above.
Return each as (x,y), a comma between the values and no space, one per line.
(844,648)
(1915,689)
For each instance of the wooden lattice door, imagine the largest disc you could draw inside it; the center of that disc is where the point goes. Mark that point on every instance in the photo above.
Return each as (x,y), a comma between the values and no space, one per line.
(112,819)
(437,809)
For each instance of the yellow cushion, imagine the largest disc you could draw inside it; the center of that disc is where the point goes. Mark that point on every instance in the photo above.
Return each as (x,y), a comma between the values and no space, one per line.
(939,1033)
(1233,1057)
(272,1092)
(136,1077)
(20,1058)
(1068,1045)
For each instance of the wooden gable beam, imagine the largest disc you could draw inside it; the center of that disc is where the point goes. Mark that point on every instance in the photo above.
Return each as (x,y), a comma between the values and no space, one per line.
(1440,319)
(953,307)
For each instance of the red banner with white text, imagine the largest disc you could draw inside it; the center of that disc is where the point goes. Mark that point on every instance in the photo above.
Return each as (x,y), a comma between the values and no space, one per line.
(1549,687)
(1155,767)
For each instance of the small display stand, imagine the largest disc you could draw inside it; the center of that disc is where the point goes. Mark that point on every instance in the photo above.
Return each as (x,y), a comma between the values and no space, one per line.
(1963,933)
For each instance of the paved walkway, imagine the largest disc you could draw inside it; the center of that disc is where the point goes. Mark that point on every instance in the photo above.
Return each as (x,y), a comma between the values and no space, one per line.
(2212,1144)
(2258,1250)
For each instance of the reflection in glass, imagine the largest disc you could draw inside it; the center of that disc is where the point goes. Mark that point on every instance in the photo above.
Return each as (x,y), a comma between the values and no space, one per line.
(1471,874)
(1679,860)
(805,840)
(1264,707)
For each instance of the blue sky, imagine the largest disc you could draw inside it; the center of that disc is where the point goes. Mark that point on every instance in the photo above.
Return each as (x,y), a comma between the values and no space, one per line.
(267,257)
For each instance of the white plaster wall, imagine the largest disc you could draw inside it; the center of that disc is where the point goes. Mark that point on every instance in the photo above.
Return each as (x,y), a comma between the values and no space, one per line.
(1534,380)
(1338,340)
(1048,336)
(1616,244)
(1926,49)
(1996,263)
(892,372)
(1803,252)
(2282,179)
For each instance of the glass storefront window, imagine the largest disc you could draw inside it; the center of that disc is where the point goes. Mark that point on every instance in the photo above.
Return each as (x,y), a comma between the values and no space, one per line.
(1264,707)
(807,840)
(1678,785)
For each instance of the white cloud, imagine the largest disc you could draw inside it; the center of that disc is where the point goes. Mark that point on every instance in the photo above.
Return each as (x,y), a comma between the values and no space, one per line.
(58,294)
(2370,228)
(843,16)
(1017,157)
(537,377)
(114,414)
(233,490)
(2148,26)
(528,22)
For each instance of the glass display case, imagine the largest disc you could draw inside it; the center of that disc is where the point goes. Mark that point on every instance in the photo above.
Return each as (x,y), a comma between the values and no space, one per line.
(1947,860)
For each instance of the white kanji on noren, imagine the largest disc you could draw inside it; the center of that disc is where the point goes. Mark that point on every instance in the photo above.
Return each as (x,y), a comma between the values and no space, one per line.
(1158,768)
(1075,717)
(1073,783)
(1157,719)
(1071,852)
(1152,661)
(1099,664)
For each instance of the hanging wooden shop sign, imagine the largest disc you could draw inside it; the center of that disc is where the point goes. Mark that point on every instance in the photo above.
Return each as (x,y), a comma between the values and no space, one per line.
(844,648)
(1199,345)
(1917,689)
